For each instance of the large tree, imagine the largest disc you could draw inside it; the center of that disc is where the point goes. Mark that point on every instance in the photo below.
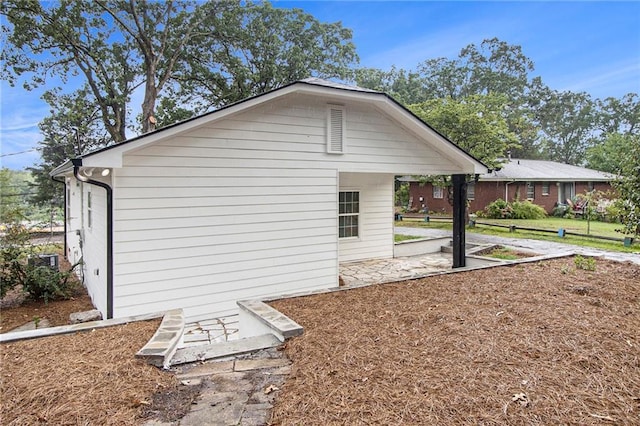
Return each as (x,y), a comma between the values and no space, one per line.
(609,155)
(567,121)
(259,48)
(492,68)
(476,124)
(73,127)
(223,50)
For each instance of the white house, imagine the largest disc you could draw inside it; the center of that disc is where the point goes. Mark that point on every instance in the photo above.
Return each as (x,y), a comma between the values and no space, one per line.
(260,198)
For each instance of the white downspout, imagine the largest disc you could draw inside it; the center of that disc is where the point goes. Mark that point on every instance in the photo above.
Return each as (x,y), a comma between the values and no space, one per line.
(506,190)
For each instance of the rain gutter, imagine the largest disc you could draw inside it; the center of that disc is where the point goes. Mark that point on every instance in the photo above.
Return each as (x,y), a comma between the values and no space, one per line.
(77,163)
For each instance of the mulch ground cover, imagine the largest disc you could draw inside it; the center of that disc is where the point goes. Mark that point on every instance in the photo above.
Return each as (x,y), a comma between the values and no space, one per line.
(90,377)
(529,344)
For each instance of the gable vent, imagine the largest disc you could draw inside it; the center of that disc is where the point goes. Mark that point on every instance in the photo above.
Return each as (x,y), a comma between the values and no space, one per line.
(335,130)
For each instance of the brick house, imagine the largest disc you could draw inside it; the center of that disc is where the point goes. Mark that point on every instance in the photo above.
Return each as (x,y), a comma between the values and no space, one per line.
(545,183)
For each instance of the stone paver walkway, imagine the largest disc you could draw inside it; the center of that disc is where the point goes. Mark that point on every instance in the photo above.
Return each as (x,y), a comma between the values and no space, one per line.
(214,330)
(238,391)
(356,274)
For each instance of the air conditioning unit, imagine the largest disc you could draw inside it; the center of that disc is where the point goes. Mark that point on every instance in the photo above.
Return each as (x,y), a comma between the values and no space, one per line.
(48,260)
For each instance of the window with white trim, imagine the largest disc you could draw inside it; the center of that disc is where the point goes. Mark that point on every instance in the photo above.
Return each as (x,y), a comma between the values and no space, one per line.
(545,188)
(335,129)
(530,191)
(438,192)
(348,214)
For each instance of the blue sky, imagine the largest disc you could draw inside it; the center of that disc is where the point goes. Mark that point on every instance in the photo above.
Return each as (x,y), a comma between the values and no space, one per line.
(578,46)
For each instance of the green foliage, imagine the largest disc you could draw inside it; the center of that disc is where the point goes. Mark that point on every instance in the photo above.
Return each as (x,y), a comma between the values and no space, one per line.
(476,124)
(16,189)
(500,209)
(399,237)
(567,121)
(627,186)
(39,282)
(585,263)
(44,283)
(203,54)
(402,194)
(562,210)
(608,155)
(527,210)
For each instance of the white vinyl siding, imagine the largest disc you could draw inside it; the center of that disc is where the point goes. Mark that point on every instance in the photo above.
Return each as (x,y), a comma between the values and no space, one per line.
(375,239)
(93,250)
(247,207)
(205,238)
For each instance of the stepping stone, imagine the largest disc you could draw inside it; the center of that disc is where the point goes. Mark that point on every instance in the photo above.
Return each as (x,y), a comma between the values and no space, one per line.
(31,325)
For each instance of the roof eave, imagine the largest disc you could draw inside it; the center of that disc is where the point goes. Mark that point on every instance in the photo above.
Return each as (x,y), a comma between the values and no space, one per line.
(63,169)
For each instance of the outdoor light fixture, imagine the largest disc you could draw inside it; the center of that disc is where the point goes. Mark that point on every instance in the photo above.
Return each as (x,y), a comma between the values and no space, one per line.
(89,171)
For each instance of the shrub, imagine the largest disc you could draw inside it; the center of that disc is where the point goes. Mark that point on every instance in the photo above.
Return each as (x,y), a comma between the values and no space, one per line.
(561,210)
(42,282)
(527,210)
(501,209)
(39,282)
(585,263)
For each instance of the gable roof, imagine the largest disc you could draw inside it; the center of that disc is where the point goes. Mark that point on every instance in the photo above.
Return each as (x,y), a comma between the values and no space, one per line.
(111,156)
(539,170)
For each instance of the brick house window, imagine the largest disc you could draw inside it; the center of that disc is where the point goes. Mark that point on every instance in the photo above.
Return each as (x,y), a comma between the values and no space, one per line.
(545,188)
(348,214)
(438,192)
(530,191)
(471,191)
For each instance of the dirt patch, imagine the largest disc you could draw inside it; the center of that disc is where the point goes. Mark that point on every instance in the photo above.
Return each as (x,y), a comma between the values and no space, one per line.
(85,378)
(501,252)
(539,343)
(16,310)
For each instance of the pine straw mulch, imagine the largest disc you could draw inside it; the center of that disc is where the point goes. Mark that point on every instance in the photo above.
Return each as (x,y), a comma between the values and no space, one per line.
(529,344)
(87,378)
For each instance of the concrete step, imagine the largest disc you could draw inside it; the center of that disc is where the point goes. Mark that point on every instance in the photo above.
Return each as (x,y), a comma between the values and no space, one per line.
(163,344)
(224,349)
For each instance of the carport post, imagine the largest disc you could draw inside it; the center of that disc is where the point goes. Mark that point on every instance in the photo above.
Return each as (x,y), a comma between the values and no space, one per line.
(459,207)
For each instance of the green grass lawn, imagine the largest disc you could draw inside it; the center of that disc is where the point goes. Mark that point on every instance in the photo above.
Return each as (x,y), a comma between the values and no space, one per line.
(571,225)
(554,223)
(400,237)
